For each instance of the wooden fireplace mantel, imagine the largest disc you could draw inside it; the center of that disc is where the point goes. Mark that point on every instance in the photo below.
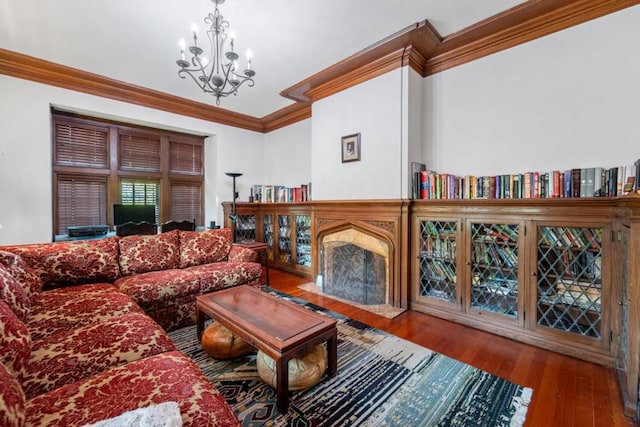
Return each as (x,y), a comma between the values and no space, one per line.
(387,219)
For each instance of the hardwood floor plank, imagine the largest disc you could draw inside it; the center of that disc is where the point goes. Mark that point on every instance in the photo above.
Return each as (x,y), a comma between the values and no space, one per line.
(566,391)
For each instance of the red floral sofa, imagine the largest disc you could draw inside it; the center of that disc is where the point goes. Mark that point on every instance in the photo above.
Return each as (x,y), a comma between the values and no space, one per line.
(77,343)
(163,273)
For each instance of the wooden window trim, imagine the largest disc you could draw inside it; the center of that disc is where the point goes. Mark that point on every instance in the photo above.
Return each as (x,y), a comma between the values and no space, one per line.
(113,173)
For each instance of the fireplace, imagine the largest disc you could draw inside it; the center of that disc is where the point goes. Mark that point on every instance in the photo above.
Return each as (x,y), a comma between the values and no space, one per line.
(355,266)
(358,251)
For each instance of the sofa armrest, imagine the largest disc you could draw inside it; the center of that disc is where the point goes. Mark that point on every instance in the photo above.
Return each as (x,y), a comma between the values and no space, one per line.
(242,254)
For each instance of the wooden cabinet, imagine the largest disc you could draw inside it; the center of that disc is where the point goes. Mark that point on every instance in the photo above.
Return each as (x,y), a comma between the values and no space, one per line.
(542,272)
(284,227)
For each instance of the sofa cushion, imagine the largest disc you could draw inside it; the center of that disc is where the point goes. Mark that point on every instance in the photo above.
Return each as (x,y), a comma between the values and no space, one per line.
(203,247)
(13,295)
(139,254)
(68,263)
(70,356)
(165,377)
(158,285)
(51,299)
(21,271)
(57,311)
(15,342)
(241,254)
(12,400)
(220,275)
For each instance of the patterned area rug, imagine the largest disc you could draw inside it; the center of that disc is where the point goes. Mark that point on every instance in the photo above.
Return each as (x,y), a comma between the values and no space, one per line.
(382,380)
(384,310)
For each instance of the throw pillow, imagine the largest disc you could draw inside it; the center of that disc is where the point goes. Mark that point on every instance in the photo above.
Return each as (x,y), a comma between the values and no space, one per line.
(12,400)
(13,295)
(142,253)
(24,274)
(204,247)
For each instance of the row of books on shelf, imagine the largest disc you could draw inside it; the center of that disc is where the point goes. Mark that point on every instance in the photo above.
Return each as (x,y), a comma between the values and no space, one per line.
(279,193)
(583,182)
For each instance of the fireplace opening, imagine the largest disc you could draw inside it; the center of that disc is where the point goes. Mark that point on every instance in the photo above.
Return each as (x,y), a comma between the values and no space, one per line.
(355,267)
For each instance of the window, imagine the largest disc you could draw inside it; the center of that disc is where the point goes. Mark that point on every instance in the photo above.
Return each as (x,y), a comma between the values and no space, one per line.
(81,200)
(97,164)
(140,193)
(186,199)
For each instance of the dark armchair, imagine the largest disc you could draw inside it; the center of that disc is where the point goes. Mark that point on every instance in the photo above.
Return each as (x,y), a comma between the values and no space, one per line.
(178,225)
(132,228)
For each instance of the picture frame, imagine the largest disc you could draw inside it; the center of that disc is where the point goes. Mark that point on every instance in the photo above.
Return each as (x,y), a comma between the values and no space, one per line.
(351,148)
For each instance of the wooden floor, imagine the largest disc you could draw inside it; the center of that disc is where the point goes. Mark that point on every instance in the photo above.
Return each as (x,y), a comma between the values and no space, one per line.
(566,391)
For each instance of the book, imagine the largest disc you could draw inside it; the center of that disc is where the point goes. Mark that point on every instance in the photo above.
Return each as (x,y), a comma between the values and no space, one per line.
(583,182)
(416,169)
(590,186)
(575,182)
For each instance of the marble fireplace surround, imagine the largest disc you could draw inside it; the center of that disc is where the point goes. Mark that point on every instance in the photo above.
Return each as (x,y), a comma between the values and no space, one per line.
(379,226)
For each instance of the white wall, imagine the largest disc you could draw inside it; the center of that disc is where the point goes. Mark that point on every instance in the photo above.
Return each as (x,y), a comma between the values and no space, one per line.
(374,110)
(287,155)
(25,153)
(570,99)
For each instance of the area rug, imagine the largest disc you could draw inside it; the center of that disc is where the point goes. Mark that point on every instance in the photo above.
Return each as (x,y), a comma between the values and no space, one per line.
(384,310)
(382,380)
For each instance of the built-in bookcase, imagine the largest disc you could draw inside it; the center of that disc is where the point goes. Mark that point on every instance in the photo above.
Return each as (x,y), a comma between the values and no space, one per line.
(537,271)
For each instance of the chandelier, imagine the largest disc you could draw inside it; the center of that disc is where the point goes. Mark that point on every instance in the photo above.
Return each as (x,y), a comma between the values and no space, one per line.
(217,74)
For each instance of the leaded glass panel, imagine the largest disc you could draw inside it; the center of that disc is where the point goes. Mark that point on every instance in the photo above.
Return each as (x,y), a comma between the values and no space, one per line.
(494,268)
(569,287)
(438,275)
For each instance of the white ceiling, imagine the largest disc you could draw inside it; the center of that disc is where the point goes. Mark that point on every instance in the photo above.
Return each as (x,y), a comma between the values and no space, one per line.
(136,41)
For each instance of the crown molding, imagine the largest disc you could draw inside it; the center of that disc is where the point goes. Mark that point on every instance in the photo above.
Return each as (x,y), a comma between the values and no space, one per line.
(286,116)
(520,24)
(386,55)
(39,70)
(419,46)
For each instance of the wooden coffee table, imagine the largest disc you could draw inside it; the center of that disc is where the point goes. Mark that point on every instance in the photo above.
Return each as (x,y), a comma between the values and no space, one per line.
(281,329)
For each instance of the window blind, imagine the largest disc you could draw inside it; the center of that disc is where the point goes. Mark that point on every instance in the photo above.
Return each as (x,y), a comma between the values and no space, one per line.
(186,157)
(139,152)
(82,146)
(82,200)
(186,202)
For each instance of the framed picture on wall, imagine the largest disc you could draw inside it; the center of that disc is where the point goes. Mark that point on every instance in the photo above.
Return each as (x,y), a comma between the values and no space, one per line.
(351,148)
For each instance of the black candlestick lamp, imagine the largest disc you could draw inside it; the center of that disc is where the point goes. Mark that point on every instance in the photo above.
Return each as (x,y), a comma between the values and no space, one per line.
(233,215)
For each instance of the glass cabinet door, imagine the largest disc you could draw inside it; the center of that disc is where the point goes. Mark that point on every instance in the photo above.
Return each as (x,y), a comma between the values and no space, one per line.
(284,239)
(245,228)
(494,269)
(267,234)
(438,260)
(569,279)
(303,240)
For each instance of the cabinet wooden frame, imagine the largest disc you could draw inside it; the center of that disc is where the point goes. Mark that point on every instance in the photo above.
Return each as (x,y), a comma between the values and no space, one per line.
(488,316)
(276,210)
(528,215)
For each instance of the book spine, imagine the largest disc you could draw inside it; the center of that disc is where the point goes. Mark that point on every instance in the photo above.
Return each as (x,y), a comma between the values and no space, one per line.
(591,177)
(424,189)
(583,182)
(567,183)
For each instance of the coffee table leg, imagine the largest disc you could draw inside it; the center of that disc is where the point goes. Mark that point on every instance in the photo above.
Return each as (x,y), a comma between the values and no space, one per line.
(332,350)
(282,385)
(199,323)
